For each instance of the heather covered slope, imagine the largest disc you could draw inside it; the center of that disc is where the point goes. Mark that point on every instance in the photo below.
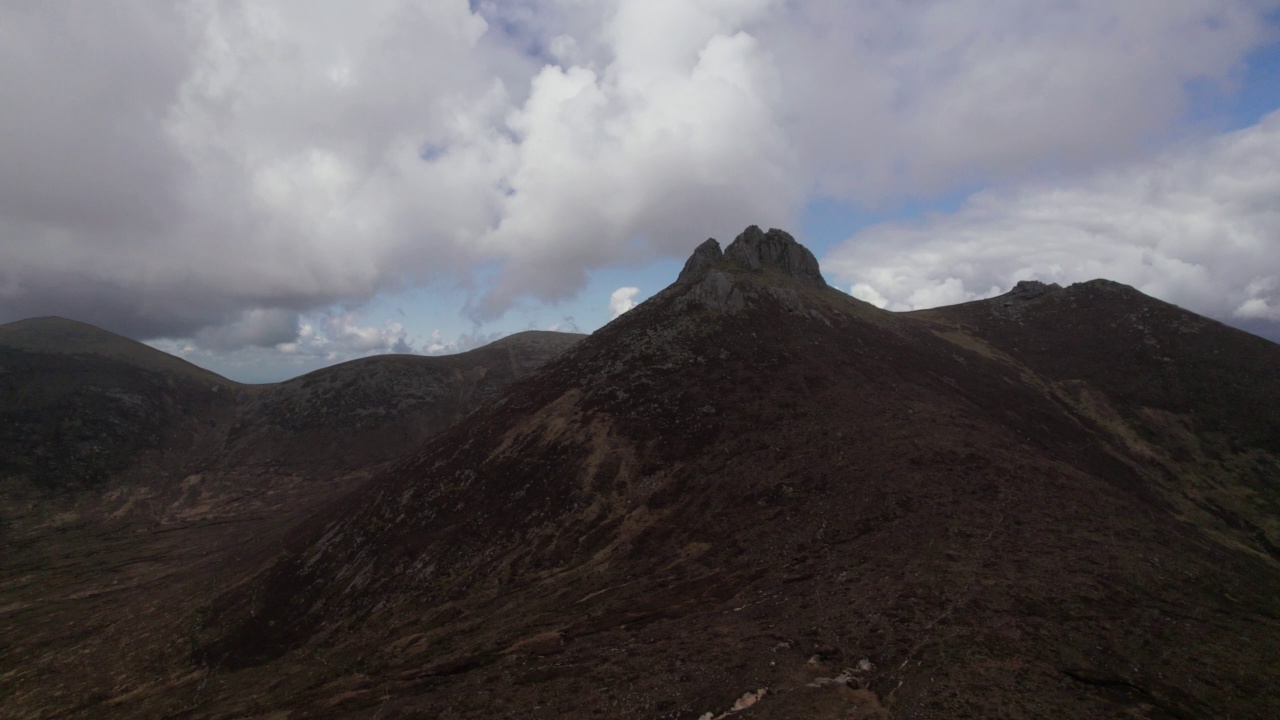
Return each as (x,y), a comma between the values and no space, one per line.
(362,413)
(752,481)
(1194,404)
(132,485)
(79,405)
(59,336)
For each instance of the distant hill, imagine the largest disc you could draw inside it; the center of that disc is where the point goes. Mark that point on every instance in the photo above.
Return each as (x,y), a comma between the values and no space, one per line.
(59,336)
(375,409)
(130,480)
(1195,401)
(79,404)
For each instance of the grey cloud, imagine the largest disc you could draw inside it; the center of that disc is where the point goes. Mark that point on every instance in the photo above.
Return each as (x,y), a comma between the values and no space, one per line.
(254,328)
(86,89)
(933,96)
(169,169)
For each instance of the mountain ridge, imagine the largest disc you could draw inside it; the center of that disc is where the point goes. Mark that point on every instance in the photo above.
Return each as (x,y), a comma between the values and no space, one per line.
(754,494)
(682,465)
(52,334)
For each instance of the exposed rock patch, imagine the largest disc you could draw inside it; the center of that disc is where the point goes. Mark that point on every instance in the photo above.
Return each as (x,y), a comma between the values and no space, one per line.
(715,291)
(1028,290)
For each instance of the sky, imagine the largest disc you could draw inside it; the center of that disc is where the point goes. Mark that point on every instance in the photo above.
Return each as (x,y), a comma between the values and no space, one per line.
(266,188)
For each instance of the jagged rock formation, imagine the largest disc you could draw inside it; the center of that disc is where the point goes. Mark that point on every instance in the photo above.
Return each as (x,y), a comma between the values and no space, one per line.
(1028,289)
(754,251)
(710,278)
(704,257)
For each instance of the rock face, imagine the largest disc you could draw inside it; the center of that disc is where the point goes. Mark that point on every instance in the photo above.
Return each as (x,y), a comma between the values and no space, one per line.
(1028,290)
(753,251)
(710,278)
(703,258)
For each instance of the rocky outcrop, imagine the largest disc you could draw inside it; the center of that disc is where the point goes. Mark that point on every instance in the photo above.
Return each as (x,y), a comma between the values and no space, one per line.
(1027,289)
(755,250)
(715,291)
(707,279)
(703,258)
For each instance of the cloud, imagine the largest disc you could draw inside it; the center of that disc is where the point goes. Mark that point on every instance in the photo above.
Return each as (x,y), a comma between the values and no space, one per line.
(440,345)
(254,328)
(170,169)
(1197,226)
(1260,300)
(931,96)
(566,324)
(340,336)
(622,300)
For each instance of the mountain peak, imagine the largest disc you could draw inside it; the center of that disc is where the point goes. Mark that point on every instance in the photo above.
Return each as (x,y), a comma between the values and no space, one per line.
(1028,290)
(703,257)
(753,251)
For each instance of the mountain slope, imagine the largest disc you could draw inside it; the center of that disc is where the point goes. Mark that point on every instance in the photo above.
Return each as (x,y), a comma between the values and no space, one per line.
(132,483)
(1195,403)
(55,335)
(754,482)
(81,404)
(374,409)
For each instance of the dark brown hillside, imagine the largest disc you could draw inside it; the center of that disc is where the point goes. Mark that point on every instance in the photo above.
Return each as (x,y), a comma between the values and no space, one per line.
(753,496)
(1197,403)
(1139,351)
(59,336)
(132,484)
(79,405)
(373,409)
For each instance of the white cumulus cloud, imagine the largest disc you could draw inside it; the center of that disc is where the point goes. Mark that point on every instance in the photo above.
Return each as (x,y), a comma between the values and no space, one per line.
(622,300)
(1198,226)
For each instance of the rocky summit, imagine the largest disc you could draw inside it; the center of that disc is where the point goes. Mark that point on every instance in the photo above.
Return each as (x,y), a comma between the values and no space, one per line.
(750,496)
(755,250)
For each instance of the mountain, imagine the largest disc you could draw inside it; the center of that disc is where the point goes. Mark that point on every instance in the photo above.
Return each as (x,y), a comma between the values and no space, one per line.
(750,496)
(754,495)
(131,483)
(373,409)
(1196,402)
(59,336)
(80,404)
